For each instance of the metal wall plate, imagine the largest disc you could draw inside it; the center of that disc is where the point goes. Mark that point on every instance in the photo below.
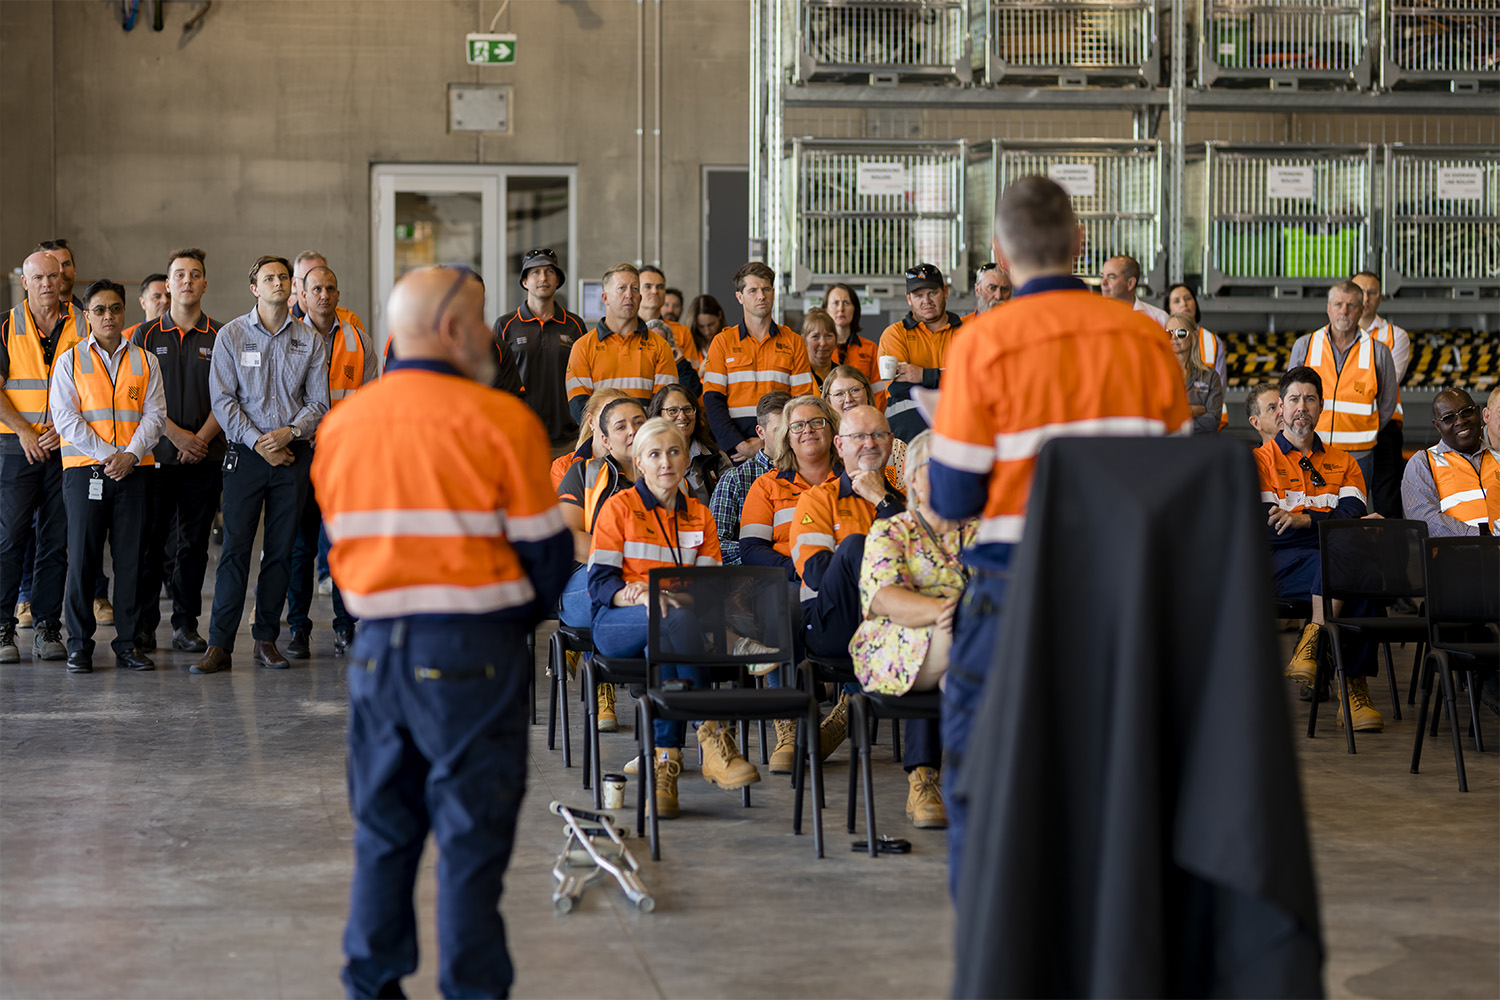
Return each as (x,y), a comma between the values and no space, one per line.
(479,107)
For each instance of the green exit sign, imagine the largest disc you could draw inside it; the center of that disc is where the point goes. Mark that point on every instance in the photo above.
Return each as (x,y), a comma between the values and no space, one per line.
(491,50)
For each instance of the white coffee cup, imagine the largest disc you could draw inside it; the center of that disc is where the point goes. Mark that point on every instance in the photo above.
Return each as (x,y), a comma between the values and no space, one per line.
(614,791)
(888,367)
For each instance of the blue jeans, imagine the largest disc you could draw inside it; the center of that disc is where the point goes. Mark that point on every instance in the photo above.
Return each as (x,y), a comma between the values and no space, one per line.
(575,608)
(622,632)
(976,629)
(437,741)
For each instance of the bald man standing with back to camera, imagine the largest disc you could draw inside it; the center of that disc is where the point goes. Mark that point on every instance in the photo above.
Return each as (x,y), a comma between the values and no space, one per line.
(449,546)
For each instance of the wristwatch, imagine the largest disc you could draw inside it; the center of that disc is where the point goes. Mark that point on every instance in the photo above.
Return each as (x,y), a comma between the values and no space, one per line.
(296,431)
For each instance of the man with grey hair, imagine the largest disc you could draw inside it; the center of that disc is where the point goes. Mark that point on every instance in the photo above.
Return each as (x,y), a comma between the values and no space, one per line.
(1263,409)
(1119,280)
(1359,377)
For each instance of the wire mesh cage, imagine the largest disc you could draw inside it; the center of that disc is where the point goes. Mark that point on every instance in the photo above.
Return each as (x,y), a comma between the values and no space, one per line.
(1442,219)
(863,211)
(1285,41)
(893,38)
(1283,217)
(1074,40)
(1453,40)
(1116,189)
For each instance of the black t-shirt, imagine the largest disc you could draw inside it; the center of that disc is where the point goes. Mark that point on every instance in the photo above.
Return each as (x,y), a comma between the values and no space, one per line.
(534,364)
(185,360)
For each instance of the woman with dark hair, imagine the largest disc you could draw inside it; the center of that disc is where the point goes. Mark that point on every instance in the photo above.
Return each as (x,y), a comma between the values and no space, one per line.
(705,317)
(1210,347)
(842,303)
(705,461)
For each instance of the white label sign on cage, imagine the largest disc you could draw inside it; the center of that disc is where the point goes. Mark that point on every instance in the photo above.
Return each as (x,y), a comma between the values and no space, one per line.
(1460,183)
(1289,182)
(1075,178)
(881,179)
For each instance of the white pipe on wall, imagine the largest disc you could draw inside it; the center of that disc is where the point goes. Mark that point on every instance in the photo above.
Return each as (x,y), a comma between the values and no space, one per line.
(640,132)
(656,138)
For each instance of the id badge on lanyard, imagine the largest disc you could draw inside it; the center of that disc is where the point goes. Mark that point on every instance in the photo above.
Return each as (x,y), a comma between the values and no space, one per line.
(96,485)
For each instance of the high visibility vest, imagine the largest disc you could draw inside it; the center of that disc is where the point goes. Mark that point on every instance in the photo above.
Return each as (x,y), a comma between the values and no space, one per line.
(1350,419)
(346,364)
(30,377)
(112,407)
(601,480)
(1208,350)
(1463,492)
(1382,332)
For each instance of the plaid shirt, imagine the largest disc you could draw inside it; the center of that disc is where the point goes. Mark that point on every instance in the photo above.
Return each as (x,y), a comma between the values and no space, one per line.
(729,499)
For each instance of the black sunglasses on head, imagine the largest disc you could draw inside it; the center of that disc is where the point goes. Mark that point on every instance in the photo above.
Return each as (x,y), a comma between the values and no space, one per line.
(921,271)
(531,254)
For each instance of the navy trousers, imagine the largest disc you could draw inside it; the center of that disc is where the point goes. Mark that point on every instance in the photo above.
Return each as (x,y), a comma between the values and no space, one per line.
(303,573)
(437,742)
(28,490)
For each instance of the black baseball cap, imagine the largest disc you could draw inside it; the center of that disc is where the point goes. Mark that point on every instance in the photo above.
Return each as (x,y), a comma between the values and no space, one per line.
(924,276)
(541,258)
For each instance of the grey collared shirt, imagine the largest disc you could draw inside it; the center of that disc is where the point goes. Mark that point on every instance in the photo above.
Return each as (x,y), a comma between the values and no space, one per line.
(1419,496)
(262,380)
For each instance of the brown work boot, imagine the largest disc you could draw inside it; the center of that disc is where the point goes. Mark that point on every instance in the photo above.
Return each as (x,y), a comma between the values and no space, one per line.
(266,655)
(924,800)
(1303,666)
(23,614)
(668,770)
(835,727)
(1366,718)
(722,763)
(608,723)
(784,757)
(213,661)
(104,612)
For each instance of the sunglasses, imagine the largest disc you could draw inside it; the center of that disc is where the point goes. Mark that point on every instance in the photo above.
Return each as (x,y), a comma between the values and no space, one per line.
(532,254)
(986,267)
(1449,419)
(1305,464)
(922,271)
(1180,334)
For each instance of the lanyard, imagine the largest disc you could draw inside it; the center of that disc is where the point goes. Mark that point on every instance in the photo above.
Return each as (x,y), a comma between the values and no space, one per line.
(948,557)
(672,546)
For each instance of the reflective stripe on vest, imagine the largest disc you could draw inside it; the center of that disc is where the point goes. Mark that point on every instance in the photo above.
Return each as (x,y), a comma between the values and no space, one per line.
(1350,418)
(112,407)
(1460,487)
(600,479)
(30,376)
(1381,331)
(346,365)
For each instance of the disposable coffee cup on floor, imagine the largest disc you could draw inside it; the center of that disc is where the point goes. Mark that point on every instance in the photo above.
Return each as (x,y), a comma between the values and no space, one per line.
(888,366)
(614,791)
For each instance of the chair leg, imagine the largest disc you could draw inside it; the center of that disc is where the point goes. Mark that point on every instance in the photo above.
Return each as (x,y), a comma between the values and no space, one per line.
(1474,710)
(648,775)
(1390,679)
(866,767)
(1416,668)
(799,781)
(561,676)
(853,786)
(554,662)
(896,752)
(1312,711)
(765,757)
(1416,750)
(816,758)
(531,672)
(1335,639)
(1458,744)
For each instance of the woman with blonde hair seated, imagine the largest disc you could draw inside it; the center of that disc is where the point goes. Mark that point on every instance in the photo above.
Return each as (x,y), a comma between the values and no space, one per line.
(909,585)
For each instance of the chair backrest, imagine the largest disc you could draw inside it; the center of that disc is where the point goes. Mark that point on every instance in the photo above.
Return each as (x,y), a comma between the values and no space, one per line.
(1463,580)
(710,608)
(1375,559)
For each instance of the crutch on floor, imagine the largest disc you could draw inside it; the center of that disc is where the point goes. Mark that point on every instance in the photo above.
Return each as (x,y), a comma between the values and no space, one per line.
(593,847)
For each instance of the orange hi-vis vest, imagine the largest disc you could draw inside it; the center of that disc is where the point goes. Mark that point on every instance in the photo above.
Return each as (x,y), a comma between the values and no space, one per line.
(1059,363)
(827,514)
(1465,494)
(636,536)
(346,362)
(863,355)
(637,363)
(425,480)
(768,508)
(1209,349)
(1383,334)
(1350,419)
(30,378)
(112,407)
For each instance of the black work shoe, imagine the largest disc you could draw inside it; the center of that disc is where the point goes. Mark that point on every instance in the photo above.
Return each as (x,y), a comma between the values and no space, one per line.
(189,640)
(298,648)
(80,663)
(146,642)
(342,641)
(134,659)
(266,655)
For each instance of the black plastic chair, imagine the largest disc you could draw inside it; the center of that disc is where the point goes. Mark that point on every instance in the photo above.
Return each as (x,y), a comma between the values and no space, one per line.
(866,710)
(817,670)
(599,670)
(707,589)
(1377,560)
(1463,613)
(567,639)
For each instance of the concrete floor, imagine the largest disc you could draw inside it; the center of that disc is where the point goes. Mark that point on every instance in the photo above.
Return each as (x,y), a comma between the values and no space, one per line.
(167,835)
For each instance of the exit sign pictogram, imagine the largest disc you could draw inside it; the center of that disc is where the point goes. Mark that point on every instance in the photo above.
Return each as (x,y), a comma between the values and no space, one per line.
(491,50)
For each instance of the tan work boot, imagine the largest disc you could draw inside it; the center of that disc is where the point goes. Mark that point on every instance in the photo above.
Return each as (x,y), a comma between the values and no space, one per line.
(924,800)
(607,721)
(23,614)
(784,757)
(722,763)
(572,656)
(668,770)
(1366,718)
(104,612)
(835,727)
(1303,666)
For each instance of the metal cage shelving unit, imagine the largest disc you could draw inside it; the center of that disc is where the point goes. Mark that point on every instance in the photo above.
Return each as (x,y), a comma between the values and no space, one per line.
(862,211)
(1116,189)
(1442,220)
(1457,41)
(1073,42)
(887,41)
(1287,42)
(1289,218)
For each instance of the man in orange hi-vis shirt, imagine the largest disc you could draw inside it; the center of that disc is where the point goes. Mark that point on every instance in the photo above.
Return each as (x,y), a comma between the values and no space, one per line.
(448,544)
(1056,361)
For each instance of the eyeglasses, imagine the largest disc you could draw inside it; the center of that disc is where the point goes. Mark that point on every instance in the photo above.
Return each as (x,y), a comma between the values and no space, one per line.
(118,309)
(1306,465)
(1448,419)
(847,394)
(815,424)
(674,412)
(923,271)
(464,272)
(1180,334)
(879,437)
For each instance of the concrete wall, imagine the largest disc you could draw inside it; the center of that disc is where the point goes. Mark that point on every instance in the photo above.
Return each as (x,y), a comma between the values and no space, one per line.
(257,134)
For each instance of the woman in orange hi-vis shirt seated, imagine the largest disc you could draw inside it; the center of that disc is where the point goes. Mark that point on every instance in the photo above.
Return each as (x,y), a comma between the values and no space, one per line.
(651,525)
